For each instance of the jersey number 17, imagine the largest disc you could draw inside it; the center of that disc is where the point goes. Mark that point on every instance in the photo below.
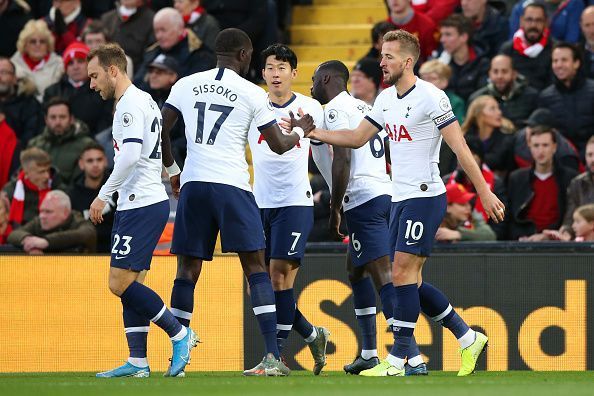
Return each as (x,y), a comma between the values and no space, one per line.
(201,106)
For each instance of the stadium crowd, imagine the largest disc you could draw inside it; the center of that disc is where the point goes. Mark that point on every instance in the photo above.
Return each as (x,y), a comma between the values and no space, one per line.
(519,75)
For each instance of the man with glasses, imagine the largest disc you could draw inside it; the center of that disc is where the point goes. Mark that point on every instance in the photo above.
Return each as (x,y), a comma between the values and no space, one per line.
(531,46)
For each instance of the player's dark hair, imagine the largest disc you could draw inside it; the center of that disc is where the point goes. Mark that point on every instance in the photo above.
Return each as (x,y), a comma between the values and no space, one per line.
(109,55)
(282,53)
(575,51)
(56,101)
(459,22)
(336,68)
(231,40)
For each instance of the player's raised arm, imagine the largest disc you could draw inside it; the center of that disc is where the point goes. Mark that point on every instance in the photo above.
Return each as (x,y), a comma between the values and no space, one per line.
(452,134)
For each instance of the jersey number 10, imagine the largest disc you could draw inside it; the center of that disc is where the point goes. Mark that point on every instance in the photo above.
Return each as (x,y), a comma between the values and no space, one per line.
(201,106)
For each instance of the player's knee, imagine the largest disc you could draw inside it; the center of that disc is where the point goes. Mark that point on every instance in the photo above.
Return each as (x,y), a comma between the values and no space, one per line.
(188,268)
(115,287)
(404,275)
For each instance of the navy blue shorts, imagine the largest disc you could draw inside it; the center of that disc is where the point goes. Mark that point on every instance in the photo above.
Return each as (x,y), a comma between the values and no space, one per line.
(414,223)
(204,209)
(286,230)
(135,235)
(369,233)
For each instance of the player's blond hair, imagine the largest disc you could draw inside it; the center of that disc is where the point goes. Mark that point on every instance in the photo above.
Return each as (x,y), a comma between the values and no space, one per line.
(442,70)
(108,55)
(408,42)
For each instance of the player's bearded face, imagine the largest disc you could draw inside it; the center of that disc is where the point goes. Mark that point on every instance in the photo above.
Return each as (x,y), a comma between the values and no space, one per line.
(393,72)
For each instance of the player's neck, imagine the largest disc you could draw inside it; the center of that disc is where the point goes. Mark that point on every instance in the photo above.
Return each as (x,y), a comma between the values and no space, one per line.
(228,64)
(122,85)
(405,83)
(280,98)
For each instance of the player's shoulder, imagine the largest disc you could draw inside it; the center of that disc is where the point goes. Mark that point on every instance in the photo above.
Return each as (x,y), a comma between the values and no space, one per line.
(133,99)
(426,88)
(307,102)
(385,95)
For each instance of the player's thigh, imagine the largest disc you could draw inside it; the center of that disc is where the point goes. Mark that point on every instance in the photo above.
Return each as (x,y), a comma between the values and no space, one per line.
(136,233)
(414,224)
(368,226)
(238,218)
(195,229)
(289,229)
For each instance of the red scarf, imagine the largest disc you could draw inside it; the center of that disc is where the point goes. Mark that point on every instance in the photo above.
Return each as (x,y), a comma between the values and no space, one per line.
(194,15)
(33,64)
(521,45)
(17,206)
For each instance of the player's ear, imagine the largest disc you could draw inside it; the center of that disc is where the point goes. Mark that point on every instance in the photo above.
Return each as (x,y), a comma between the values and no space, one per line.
(326,79)
(294,73)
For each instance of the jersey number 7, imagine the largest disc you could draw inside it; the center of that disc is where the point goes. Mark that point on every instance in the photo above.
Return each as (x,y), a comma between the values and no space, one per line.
(201,106)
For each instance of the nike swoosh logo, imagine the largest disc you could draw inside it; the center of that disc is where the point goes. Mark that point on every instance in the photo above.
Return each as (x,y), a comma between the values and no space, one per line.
(411,243)
(119,257)
(292,253)
(359,255)
(385,109)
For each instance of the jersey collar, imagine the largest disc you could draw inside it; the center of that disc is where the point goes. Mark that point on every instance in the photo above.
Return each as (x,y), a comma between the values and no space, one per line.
(286,104)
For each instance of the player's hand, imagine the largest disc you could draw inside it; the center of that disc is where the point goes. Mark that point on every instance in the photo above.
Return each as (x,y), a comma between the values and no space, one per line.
(96,211)
(174,180)
(334,224)
(305,121)
(494,208)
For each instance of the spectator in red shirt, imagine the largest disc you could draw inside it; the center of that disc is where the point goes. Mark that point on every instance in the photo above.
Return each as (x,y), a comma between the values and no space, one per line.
(537,195)
(404,17)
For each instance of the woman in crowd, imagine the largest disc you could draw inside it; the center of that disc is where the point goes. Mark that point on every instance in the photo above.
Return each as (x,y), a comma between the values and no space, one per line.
(35,57)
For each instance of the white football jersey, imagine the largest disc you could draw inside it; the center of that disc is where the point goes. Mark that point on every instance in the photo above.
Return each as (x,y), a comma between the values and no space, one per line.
(413,122)
(137,119)
(368,178)
(283,180)
(218,107)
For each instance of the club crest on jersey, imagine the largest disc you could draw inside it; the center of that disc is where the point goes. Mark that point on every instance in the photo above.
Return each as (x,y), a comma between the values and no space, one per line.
(399,133)
(332,115)
(408,108)
(127,119)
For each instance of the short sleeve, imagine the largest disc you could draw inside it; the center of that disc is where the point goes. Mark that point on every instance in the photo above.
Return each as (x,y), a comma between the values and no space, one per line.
(336,119)
(317,113)
(263,114)
(440,109)
(376,114)
(132,120)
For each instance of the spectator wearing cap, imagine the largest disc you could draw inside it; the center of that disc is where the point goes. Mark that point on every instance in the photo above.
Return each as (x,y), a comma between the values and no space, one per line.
(199,21)
(515,97)
(174,40)
(495,183)
(538,195)
(35,58)
(566,153)
(439,74)
(571,96)
(461,222)
(366,77)
(66,22)
(403,16)
(95,35)
(131,26)
(86,104)
(490,26)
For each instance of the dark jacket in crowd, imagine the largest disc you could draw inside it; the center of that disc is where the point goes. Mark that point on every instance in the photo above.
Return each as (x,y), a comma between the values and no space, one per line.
(499,155)
(517,105)
(566,154)
(247,15)
(206,28)
(191,55)
(85,104)
(469,77)
(580,192)
(81,198)
(492,32)
(588,60)
(75,235)
(12,21)
(65,149)
(573,108)
(24,115)
(133,35)
(520,194)
(536,70)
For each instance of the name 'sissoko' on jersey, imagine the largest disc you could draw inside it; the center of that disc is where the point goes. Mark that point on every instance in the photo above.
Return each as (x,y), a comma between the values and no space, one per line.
(213,88)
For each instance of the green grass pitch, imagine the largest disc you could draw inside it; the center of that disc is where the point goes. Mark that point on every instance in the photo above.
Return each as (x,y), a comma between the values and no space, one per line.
(520,383)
